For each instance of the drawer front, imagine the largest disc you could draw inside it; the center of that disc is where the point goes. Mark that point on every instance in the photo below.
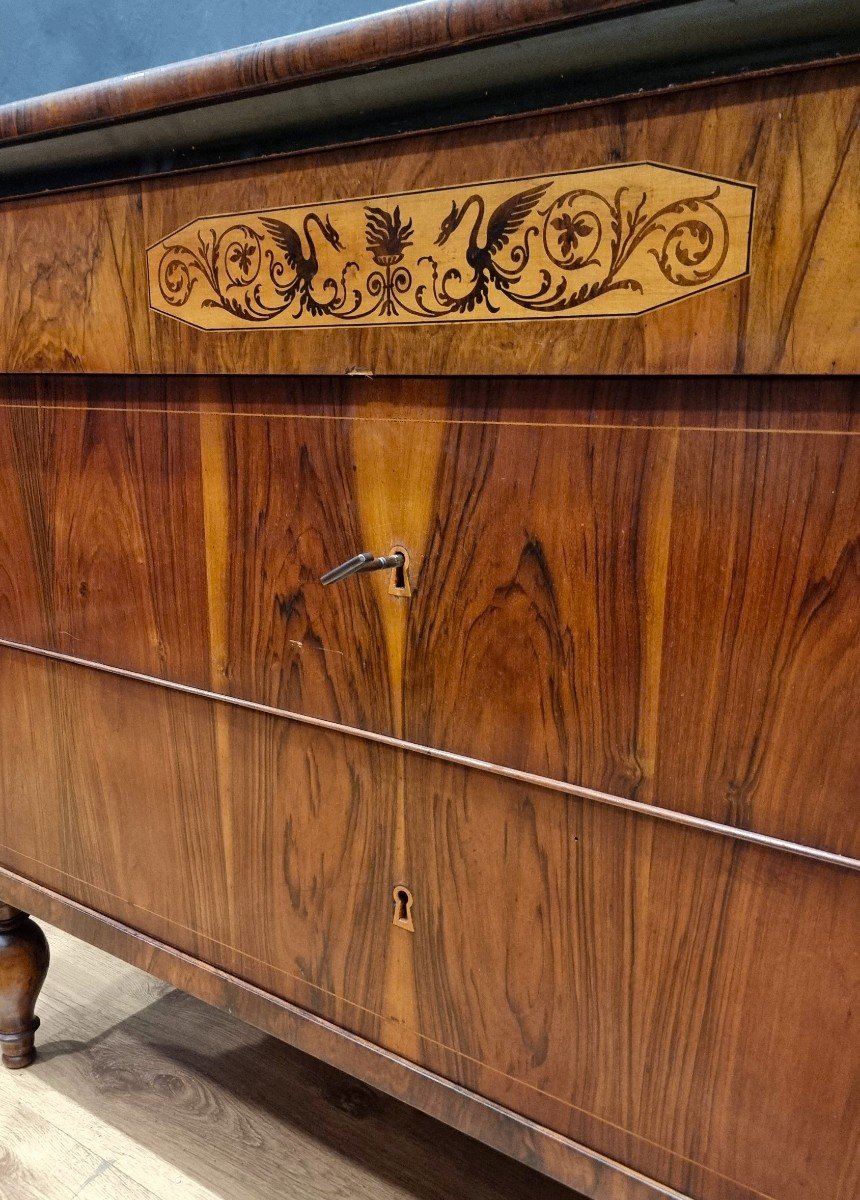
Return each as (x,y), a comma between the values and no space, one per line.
(676,1000)
(647,590)
(78,295)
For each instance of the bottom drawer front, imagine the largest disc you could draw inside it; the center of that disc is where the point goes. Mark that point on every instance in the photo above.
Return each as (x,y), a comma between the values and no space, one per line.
(675,999)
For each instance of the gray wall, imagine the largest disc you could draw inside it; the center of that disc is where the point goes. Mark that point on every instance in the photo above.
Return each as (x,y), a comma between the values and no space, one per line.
(51,44)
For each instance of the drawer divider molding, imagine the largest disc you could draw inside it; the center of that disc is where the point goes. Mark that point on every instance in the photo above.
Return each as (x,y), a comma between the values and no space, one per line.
(768,841)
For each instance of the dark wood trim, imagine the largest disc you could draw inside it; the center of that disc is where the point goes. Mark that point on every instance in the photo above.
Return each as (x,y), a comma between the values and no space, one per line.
(562,1159)
(368,83)
(402,35)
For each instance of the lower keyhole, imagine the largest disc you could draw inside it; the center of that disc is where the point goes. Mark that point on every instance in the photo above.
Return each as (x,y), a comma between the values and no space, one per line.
(403,902)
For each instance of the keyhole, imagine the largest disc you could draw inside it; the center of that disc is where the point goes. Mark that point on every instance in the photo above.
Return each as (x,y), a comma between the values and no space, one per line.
(403,902)
(399,584)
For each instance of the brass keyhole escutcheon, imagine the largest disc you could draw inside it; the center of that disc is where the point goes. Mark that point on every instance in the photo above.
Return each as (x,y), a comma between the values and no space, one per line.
(403,901)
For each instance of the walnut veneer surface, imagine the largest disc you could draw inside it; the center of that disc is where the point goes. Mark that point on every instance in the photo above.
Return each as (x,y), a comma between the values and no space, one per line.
(642,587)
(80,302)
(647,593)
(556,837)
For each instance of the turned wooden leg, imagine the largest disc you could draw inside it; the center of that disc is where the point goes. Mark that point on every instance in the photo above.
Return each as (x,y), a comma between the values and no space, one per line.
(24,960)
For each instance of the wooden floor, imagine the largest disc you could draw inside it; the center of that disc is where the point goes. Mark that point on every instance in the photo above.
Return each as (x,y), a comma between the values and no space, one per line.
(141,1091)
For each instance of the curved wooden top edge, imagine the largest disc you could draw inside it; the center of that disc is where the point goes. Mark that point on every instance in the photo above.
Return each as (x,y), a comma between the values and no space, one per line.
(409,33)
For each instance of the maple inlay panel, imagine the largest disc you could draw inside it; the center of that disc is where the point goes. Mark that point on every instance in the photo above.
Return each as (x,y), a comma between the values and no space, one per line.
(608,242)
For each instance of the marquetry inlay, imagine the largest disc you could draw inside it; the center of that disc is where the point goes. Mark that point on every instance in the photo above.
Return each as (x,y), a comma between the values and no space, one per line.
(613,241)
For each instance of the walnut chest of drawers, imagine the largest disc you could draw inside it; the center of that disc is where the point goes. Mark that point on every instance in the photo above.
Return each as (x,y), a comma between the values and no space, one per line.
(548,825)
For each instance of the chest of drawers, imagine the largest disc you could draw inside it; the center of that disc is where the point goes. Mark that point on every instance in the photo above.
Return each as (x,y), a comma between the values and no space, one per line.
(551,831)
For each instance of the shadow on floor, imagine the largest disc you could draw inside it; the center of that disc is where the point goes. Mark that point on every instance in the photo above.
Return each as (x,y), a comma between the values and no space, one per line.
(250,1117)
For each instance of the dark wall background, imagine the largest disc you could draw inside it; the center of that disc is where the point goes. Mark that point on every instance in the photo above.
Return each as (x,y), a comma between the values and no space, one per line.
(50,44)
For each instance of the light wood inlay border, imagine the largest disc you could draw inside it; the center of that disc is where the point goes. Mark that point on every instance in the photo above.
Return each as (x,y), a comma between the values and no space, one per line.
(612,241)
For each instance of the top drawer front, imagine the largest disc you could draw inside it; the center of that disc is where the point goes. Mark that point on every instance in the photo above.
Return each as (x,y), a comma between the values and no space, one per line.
(654,600)
(78,295)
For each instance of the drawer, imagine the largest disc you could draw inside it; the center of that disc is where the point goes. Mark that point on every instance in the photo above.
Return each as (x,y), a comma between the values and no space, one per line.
(646,588)
(624,981)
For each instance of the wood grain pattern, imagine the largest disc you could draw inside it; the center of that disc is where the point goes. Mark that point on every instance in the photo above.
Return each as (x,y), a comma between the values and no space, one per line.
(382,39)
(792,136)
(613,241)
(676,978)
(561,993)
(139,580)
(195,847)
(643,590)
(88,267)
(685,638)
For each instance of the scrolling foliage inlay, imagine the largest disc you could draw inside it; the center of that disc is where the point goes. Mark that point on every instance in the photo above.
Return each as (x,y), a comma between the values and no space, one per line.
(614,241)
